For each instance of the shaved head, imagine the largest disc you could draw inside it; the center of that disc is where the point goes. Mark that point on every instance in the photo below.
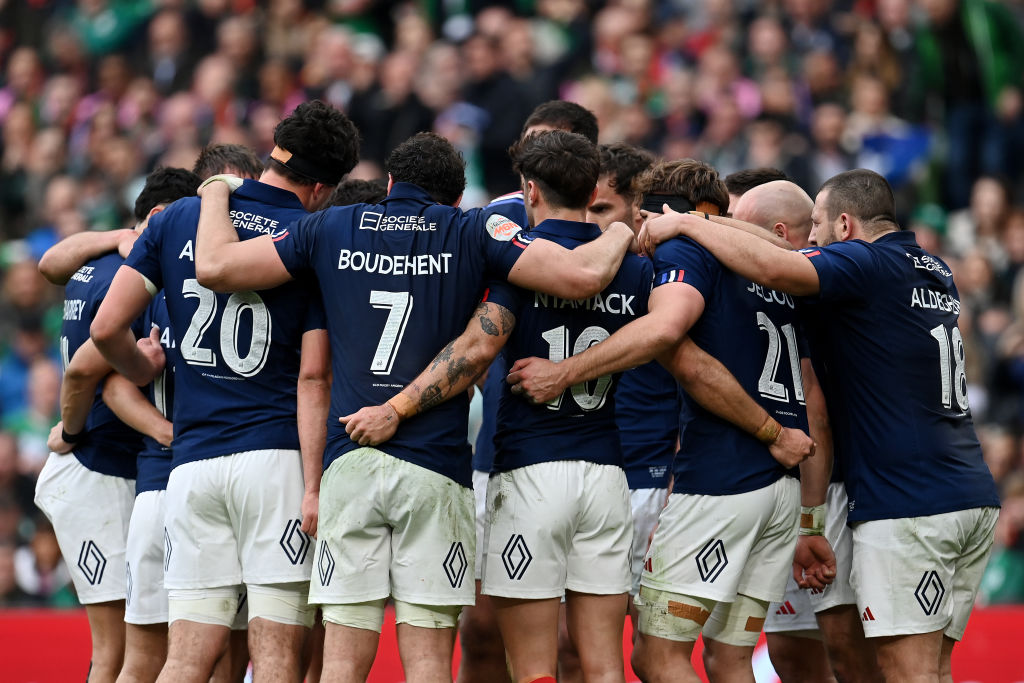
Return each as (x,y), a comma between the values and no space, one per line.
(779,206)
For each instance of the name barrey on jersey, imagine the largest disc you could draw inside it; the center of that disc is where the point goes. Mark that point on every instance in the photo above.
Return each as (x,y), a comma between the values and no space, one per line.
(612,302)
(73,309)
(922,297)
(83,274)
(383,264)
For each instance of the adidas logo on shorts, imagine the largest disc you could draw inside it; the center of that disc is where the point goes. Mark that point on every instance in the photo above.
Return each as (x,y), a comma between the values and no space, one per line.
(785,609)
(866,615)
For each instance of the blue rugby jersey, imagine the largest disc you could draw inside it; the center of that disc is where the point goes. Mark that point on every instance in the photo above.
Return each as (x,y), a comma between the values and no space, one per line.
(753,332)
(155,458)
(238,354)
(400,280)
(108,446)
(896,387)
(580,424)
(647,414)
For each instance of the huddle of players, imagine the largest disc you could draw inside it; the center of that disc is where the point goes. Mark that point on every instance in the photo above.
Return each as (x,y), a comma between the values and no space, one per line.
(399,521)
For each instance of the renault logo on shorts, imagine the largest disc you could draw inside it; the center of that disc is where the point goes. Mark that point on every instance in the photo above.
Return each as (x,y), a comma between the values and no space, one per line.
(930,592)
(711,560)
(455,564)
(325,564)
(516,557)
(92,562)
(295,542)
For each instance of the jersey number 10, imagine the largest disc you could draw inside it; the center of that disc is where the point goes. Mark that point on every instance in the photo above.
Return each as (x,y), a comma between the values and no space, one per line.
(558,350)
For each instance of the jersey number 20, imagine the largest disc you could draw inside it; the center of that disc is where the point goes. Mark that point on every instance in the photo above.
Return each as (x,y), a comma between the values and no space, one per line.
(238,303)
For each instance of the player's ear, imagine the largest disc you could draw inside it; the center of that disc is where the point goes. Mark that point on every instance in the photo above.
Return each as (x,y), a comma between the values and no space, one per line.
(593,196)
(781,230)
(457,201)
(531,193)
(391,183)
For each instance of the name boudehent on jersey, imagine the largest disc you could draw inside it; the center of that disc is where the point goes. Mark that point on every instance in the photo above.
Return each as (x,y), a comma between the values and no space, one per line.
(247,220)
(383,264)
(83,274)
(73,309)
(922,297)
(371,220)
(612,302)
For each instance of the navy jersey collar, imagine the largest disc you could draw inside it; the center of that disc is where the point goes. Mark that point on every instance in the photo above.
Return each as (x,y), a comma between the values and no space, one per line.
(409,191)
(268,194)
(905,237)
(556,227)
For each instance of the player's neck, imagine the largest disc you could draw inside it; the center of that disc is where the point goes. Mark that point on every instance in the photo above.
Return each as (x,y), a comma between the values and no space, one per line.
(274,179)
(543,212)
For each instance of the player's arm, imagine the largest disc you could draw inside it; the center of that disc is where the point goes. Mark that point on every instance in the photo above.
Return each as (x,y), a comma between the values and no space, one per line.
(133,408)
(129,294)
(649,240)
(710,384)
(672,310)
(814,564)
(453,371)
(748,254)
(85,371)
(61,260)
(223,262)
(572,273)
(314,400)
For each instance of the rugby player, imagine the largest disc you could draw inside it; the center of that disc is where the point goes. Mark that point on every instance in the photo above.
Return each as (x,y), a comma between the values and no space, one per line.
(747,179)
(799,650)
(399,280)
(242,495)
(104,449)
(922,503)
(724,543)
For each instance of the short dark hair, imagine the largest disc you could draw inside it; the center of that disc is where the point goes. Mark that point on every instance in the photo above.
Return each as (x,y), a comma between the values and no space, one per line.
(623,162)
(564,115)
(564,165)
(432,163)
(323,142)
(695,180)
(354,191)
(163,186)
(863,194)
(224,158)
(740,182)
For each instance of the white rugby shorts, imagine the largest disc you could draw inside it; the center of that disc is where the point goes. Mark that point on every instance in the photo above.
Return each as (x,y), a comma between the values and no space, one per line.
(717,546)
(90,513)
(797,609)
(236,519)
(921,574)
(389,527)
(147,598)
(646,505)
(557,526)
(480,498)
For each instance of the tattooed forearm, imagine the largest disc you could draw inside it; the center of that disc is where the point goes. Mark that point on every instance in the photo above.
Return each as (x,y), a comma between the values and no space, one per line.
(458,368)
(431,397)
(444,356)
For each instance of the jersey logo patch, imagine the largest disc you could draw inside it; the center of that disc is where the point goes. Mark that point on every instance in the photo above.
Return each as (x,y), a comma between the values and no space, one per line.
(295,542)
(930,592)
(455,564)
(808,253)
(516,557)
(325,565)
(501,228)
(92,562)
(370,220)
(711,560)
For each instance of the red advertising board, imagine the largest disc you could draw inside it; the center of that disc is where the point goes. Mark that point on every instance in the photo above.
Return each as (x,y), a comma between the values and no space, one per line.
(50,646)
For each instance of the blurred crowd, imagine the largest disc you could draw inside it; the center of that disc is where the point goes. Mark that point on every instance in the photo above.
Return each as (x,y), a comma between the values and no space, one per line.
(96,93)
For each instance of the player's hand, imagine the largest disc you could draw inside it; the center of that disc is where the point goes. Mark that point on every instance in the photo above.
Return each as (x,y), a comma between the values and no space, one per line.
(371,425)
(153,353)
(310,512)
(792,447)
(164,434)
(662,228)
(537,380)
(215,183)
(55,443)
(814,564)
